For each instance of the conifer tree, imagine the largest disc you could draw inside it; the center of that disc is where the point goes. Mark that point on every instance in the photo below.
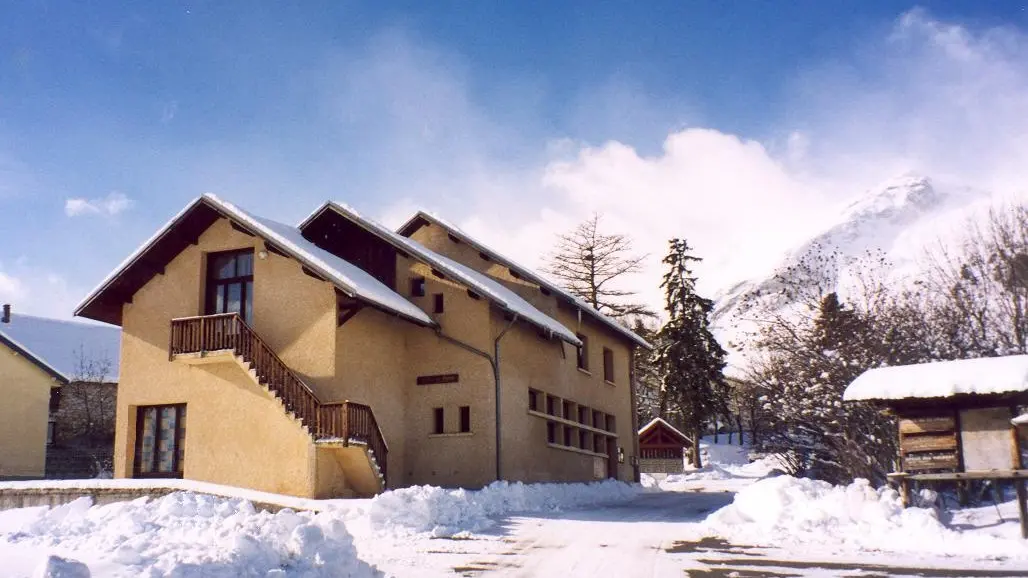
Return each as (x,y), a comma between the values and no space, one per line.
(689,357)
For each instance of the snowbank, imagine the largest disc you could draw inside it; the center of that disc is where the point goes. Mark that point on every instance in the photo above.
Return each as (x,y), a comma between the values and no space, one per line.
(443,512)
(181,535)
(788,510)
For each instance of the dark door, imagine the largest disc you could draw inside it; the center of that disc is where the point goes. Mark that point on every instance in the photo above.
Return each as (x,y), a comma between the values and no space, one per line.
(612,458)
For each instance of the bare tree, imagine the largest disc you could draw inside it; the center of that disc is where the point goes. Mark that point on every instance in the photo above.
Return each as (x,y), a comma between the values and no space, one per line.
(87,404)
(589,263)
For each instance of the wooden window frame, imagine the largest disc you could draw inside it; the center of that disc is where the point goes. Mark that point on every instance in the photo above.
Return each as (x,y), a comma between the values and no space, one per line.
(213,285)
(177,467)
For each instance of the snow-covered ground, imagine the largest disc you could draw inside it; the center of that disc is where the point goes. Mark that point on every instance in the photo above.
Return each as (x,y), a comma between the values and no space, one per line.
(732,518)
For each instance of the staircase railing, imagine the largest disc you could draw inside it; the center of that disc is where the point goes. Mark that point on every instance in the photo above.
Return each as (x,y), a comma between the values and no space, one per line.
(347,421)
(353,422)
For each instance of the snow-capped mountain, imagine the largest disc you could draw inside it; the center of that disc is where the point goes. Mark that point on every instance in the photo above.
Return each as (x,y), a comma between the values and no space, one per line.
(902,218)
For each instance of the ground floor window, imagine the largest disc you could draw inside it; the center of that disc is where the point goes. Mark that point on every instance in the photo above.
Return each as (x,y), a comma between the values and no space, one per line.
(160,436)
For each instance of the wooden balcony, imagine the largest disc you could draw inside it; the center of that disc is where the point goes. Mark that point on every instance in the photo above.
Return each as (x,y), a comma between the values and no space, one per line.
(214,337)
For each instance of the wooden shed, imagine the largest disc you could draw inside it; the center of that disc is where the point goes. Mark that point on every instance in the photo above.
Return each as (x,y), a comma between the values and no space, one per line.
(955,419)
(662,448)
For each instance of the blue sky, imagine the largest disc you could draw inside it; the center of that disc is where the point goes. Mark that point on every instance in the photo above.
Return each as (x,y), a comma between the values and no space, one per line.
(514,119)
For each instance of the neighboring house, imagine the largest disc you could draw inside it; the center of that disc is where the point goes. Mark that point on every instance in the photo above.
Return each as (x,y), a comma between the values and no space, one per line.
(42,361)
(338,358)
(662,448)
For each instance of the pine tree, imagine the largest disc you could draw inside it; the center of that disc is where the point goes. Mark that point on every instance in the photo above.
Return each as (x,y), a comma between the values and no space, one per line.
(688,356)
(647,374)
(589,263)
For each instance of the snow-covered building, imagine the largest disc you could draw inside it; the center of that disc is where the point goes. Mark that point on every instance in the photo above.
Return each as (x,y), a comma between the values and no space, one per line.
(38,357)
(339,357)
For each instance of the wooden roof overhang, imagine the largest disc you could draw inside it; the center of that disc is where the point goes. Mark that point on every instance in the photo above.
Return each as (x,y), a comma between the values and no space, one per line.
(922,405)
(105,303)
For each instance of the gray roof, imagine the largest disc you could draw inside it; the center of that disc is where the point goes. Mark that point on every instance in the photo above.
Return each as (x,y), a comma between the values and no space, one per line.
(59,347)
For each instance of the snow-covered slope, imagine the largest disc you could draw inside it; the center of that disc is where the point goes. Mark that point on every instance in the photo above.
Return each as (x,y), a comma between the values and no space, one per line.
(901,218)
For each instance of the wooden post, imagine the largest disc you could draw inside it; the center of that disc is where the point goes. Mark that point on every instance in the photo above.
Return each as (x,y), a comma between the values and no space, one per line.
(905,491)
(1022,506)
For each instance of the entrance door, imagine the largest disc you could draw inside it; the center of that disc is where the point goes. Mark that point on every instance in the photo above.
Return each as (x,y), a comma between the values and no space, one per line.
(160,437)
(612,458)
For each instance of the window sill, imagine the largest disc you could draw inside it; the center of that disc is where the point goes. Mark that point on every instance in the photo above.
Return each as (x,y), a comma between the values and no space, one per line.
(563,421)
(462,434)
(575,450)
(585,371)
(609,382)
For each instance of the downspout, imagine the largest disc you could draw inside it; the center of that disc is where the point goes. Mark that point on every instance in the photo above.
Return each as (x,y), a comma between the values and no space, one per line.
(494,363)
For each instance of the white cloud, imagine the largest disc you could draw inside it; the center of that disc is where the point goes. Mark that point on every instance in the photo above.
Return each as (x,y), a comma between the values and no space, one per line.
(924,95)
(37,291)
(113,204)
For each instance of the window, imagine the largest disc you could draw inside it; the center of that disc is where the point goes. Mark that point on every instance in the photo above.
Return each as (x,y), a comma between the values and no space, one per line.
(230,283)
(551,405)
(568,432)
(567,414)
(439,426)
(551,432)
(611,426)
(608,365)
(583,440)
(160,437)
(50,425)
(438,297)
(533,400)
(583,352)
(417,287)
(584,415)
(465,418)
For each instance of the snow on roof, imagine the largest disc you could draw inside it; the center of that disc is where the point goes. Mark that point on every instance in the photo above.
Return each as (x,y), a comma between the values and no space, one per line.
(657,420)
(478,282)
(348,277)
(528,274)
(58,345)
(985,376)
(1020,420)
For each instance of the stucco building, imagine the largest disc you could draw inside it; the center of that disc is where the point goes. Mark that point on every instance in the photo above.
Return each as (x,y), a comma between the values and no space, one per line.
(339,357)
(39,359)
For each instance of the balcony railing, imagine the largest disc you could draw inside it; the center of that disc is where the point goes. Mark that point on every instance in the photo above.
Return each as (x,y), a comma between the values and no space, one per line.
(347,421)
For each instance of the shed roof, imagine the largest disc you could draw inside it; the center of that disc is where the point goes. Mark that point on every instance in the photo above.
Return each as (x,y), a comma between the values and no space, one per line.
(421,217)
(658,422)
(60,347)
(942,379)
(104,302)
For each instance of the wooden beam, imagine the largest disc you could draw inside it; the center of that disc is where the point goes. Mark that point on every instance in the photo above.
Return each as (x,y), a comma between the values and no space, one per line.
(242,229)
(273,248)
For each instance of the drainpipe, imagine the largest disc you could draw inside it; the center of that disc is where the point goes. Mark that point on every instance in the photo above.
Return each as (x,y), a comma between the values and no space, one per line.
(494,363)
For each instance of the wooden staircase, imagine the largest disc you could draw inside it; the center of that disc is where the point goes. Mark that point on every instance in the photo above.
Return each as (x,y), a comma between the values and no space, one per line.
(343,424)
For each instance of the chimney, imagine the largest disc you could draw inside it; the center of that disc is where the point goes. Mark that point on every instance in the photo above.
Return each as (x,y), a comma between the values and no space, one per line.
(7,314)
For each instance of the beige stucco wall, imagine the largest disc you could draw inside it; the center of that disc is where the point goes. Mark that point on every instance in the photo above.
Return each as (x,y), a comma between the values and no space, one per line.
(235,432)
(531,361)
(25,390)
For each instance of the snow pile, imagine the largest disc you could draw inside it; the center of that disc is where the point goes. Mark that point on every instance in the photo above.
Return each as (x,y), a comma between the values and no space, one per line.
(182,535)
(443,512)
(801,511)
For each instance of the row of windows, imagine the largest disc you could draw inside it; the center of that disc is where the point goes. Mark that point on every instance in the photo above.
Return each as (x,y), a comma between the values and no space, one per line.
(608,359)
(571,411)
(439,420)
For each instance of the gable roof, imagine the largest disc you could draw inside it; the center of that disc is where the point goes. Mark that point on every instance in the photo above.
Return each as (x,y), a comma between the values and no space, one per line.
(421,218)
(55,346)
(496,292)
(655,422)
(105,301)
